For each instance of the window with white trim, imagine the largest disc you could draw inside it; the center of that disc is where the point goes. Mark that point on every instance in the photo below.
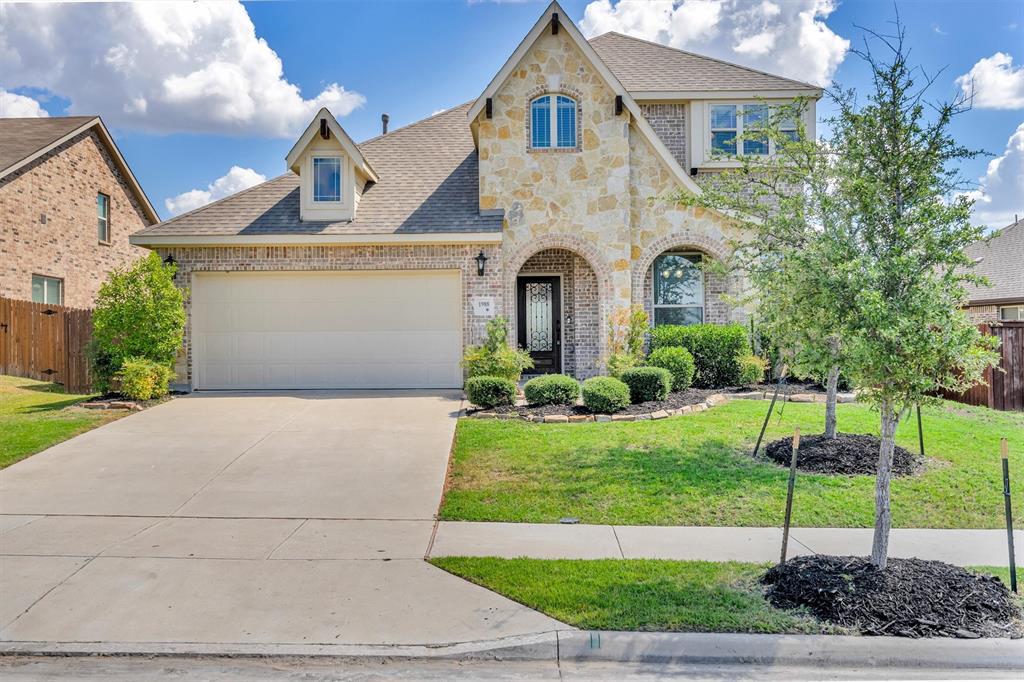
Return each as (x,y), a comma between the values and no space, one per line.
(678,289)
(553,125)
(1011,313)
(47,290)
(727,123)
(103,218)
(326,179)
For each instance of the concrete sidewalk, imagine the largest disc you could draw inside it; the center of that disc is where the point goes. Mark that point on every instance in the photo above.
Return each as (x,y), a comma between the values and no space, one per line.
(555,541)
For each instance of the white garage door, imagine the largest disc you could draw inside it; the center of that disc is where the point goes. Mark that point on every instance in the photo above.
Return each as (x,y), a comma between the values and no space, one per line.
(369,329)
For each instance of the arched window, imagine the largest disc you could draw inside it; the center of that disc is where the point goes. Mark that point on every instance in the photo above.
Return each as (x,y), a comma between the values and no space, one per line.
(678,288)
(553,126)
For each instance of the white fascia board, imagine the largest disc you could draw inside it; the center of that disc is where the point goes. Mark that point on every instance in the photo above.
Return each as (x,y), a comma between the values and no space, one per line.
(154,241)
(676,95)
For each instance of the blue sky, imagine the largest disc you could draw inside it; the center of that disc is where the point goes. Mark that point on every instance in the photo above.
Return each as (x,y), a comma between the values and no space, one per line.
(411,59)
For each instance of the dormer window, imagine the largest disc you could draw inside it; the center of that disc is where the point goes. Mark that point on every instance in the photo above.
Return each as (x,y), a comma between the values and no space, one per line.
(553,122)
(326,179)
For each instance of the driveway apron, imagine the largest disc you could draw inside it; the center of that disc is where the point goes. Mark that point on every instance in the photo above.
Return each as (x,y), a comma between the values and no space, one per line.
(244,518)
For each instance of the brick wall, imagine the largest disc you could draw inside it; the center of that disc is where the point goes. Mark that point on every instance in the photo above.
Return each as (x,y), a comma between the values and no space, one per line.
(62,186)
(669,122)
(382,257)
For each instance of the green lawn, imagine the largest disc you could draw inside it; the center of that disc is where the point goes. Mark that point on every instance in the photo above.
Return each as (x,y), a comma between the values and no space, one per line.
(641,594)
(32,417)
(696,470)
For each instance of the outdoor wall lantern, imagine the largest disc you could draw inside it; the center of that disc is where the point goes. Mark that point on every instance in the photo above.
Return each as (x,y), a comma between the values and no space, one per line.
(169,260)
(481,261)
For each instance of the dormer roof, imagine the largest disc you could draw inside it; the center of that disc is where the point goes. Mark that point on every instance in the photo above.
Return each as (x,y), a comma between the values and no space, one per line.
(350,147)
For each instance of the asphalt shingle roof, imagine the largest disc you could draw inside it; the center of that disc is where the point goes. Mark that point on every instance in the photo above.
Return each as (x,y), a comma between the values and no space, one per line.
(641,65)
(23,137)
(1001,260)
(429,182)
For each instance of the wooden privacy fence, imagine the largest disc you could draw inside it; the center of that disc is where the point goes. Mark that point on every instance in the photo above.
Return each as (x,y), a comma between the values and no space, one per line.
(45,342)
(1003,388)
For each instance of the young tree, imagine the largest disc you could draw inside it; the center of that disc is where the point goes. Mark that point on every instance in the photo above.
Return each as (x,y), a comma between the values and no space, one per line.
(906,335)
(786,204)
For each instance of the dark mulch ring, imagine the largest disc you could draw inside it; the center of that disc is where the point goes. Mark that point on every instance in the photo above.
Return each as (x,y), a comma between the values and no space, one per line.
(910,598)
(847,453)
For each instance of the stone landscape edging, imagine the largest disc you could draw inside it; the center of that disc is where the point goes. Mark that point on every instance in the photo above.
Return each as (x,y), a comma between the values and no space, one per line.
(712,400)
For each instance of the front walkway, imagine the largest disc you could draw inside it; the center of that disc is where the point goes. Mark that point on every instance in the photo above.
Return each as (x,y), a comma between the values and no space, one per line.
(554,541)
(243,519)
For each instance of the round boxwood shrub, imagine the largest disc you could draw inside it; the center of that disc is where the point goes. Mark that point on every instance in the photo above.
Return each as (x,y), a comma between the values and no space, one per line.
(716,350)
(552,389)
(647,383)
(678,361)
(490,391)
(605,395)
(751,370)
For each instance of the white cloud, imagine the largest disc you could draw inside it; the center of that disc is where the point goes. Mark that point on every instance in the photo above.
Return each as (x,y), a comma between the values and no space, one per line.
(161,66)
(788,38)
(1001,192)
(235,180)
(13,105)
(994,83)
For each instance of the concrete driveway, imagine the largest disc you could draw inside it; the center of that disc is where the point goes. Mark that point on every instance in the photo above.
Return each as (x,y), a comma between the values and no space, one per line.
(243,519)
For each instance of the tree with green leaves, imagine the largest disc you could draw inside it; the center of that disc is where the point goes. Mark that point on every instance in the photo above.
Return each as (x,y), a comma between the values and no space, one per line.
(906,336)
(139,313)
(785,203)
(857,249)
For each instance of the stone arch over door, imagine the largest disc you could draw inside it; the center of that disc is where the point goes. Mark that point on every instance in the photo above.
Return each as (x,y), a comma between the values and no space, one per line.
(592,304)
(716,285)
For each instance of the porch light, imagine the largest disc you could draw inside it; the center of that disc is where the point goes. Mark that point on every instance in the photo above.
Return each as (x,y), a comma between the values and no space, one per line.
(481,261)
(169,260)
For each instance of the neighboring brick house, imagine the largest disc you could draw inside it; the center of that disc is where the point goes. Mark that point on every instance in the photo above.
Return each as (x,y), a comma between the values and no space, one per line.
(543,200)
(68,202)
(1001,260)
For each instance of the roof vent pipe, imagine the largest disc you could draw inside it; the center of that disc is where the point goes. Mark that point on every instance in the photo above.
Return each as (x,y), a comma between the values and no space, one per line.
(384,118)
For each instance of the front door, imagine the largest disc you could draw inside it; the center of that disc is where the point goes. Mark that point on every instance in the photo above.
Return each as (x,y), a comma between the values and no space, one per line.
(539,308)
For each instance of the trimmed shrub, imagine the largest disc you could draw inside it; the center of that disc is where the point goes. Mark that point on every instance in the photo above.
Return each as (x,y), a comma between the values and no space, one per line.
(139,313)
(552,389)
(647,383)
(142,379)
(605,395)
(751,369)
(678,361)
(495,358)
(490,391)
(619,363)
(716,350)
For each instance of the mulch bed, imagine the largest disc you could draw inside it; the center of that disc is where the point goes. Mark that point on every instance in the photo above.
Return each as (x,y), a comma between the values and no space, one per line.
(910,598)
(847,453)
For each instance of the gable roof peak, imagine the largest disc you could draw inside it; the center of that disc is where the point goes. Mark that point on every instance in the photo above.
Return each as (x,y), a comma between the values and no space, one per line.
(350,147)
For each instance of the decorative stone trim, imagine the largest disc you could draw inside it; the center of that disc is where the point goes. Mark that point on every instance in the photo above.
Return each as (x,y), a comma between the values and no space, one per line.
(712,400)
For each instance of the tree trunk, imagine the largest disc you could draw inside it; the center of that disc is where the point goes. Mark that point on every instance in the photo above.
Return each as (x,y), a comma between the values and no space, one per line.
(883,515)
(831,389)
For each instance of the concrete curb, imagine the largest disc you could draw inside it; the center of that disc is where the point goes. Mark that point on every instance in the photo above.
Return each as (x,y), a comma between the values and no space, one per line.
(813,651)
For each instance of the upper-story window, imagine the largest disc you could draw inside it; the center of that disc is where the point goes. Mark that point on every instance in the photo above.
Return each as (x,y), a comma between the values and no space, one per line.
(553,122)
(730,122)
(326,179)
(103,218)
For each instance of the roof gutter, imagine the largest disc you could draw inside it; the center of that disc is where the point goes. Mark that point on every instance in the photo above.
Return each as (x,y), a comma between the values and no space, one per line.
(206,240)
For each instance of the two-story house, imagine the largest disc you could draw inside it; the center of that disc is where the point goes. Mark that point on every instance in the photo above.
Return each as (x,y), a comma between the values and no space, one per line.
(68,202)
(543,200)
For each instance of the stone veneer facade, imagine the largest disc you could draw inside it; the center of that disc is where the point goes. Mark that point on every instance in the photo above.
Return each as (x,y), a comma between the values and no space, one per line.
(62,186)
(605,201)
(191,260)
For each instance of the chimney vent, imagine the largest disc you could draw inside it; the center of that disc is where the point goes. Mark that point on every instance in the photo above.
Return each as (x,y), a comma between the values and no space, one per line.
(384,118)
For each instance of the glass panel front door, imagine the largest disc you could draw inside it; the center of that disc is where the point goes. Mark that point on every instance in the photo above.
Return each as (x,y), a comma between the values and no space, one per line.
(539,321)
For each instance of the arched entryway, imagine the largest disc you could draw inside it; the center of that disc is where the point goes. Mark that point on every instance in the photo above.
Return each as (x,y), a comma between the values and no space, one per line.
(558,307)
